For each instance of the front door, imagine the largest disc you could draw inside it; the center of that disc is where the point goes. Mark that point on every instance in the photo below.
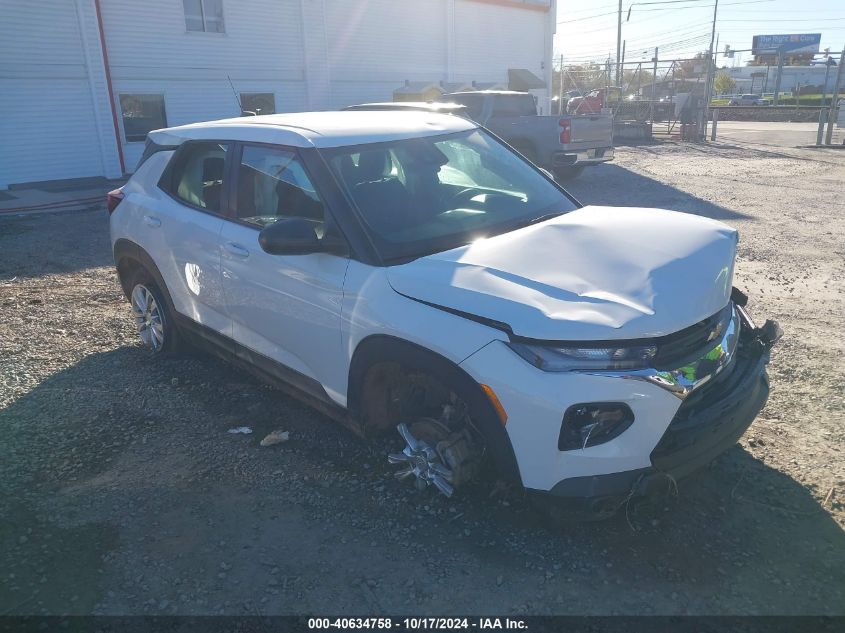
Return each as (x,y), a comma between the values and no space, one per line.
(285,308)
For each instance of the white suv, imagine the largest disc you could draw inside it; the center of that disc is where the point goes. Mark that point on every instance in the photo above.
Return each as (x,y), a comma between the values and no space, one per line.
(409,270)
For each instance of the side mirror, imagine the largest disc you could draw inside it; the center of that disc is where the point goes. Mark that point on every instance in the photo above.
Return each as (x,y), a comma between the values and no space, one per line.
(290,236)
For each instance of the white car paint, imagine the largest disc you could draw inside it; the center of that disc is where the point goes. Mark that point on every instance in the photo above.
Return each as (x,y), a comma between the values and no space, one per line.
(287,307)
(318,129)
(183,245)
(597,273)
(536,400)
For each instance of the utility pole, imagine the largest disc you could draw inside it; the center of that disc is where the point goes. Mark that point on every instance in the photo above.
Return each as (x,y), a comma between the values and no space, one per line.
(826,73)
(831,117)
(618,41)
(560,96)
(622,66)
(653,88)
(777,79)
(710,57)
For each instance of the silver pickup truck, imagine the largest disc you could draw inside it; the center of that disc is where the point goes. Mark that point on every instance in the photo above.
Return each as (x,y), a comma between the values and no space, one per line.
(562,144)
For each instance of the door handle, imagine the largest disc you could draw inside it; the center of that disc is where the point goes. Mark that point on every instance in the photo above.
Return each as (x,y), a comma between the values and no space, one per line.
(152,221)
(236,249)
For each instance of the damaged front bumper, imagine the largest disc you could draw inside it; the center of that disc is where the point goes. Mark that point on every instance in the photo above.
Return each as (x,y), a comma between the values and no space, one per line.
(711,418)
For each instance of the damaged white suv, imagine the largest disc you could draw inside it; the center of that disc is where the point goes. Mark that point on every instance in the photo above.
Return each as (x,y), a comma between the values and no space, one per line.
(409,270)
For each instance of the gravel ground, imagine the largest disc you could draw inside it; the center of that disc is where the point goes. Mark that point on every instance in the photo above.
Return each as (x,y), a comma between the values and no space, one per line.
(122,493)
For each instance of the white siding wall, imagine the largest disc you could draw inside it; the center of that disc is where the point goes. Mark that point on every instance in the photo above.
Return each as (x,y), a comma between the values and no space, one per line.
(490,38)
(375,46)
(55,120)
(55,116)
(151,51)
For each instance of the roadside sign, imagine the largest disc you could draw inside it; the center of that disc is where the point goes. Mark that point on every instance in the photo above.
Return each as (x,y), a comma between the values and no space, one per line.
(806,43)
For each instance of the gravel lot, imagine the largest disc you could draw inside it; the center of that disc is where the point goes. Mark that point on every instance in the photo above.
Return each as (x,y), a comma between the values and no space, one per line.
(122,493)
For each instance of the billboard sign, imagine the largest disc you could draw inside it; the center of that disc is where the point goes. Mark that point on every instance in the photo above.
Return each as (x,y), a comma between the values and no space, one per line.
(804,44)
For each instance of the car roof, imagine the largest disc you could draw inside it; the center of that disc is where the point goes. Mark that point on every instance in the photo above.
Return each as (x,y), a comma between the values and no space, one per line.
(433,106)
(487,92)
(318,129)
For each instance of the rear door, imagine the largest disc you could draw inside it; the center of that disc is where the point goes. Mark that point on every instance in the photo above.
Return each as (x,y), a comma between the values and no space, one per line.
(284,308)
(181,231)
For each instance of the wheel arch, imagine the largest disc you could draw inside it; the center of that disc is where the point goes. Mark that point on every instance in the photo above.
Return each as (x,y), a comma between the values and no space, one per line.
(381,349)
(128,257)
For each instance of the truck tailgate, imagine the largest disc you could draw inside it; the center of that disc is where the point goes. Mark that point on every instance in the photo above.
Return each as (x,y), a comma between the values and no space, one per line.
(591,131)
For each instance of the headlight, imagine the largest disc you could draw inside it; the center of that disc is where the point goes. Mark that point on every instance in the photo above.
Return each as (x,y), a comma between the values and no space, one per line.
(550,358)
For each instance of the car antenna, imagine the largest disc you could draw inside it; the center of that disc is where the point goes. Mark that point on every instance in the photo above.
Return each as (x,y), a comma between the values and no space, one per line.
(237,99)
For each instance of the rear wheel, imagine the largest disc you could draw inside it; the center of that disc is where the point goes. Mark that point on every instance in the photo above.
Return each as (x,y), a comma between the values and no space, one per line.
(153,318)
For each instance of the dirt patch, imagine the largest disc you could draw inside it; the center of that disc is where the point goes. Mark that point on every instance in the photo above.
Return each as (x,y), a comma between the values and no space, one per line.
(122,492)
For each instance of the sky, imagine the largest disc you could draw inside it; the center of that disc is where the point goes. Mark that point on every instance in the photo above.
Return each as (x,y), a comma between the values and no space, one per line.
(586,29)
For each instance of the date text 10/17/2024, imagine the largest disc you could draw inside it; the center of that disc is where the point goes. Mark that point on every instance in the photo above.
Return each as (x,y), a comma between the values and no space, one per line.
(418,624)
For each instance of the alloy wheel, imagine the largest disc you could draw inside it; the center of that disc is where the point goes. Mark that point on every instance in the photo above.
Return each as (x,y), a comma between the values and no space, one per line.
(148,317)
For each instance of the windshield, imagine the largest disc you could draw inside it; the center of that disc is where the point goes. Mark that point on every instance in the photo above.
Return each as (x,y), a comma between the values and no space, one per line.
(425,195)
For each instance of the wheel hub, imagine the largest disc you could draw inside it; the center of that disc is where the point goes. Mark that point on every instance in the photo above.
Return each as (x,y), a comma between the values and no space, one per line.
(434,455)
(147,317)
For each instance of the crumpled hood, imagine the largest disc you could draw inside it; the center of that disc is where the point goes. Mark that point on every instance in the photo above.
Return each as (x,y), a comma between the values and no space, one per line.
(596,273)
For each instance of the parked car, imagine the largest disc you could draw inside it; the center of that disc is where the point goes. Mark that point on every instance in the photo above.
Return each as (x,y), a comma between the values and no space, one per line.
(748,100)
(407,270)
(562,145)
(415,106)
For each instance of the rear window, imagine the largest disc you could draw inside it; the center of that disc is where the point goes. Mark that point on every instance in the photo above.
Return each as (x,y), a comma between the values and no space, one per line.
(514,105)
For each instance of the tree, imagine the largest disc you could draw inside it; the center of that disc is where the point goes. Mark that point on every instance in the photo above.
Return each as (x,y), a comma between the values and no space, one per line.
(724,83)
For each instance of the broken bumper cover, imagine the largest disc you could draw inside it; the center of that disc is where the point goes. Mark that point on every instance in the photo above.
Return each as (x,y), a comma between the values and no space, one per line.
(708,422)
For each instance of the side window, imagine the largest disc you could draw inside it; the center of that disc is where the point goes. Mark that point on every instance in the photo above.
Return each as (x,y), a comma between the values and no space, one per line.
(197,175)
(272,184)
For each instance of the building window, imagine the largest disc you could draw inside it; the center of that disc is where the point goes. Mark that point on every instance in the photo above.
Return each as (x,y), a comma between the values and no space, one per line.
(141,114)
(204,15)
(258,103)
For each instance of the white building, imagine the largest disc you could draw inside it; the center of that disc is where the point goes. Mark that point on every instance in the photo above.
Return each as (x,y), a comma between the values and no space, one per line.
(764,78)
(82,81)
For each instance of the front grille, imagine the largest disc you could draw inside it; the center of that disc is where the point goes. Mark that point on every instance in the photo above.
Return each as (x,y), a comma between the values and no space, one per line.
(688,345)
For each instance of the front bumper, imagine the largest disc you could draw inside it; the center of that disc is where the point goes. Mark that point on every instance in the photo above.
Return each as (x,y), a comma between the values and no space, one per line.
(672,434)
(708,422)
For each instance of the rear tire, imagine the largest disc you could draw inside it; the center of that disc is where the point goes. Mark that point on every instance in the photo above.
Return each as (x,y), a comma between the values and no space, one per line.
(563,174)
(153,317)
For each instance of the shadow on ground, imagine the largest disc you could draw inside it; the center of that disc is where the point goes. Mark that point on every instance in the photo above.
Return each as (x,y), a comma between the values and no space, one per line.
(613,185)
(122,492)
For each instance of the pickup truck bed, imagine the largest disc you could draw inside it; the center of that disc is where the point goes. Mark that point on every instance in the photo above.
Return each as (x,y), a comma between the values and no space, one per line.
(561,144)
